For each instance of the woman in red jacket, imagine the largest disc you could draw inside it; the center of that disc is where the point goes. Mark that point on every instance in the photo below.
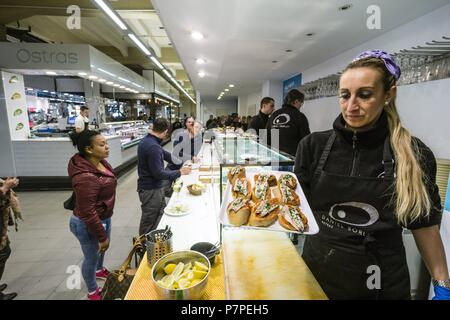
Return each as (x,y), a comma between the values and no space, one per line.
(94,184)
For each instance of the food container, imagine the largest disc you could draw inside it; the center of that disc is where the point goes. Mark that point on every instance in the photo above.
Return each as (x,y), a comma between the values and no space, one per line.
(208,249)
(159,243)
(194,190)
(191,293)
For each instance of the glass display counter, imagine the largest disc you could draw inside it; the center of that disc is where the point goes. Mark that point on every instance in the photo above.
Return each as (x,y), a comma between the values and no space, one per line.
(245,151)
(130,132)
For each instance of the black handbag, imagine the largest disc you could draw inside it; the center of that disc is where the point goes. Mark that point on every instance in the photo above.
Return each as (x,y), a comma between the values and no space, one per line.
(69,204)
(119,281)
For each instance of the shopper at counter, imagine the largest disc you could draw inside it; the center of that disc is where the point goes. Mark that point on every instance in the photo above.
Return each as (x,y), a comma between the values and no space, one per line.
(151,173)
(259,121)
(94,185)
(82,121)
(292,125)
(366,179)
(5,249)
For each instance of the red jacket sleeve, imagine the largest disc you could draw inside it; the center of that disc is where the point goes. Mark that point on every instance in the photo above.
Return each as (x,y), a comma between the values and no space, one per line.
(86,192)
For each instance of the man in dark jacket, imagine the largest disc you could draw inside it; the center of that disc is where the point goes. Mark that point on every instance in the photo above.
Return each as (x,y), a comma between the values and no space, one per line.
(151,173)
(259,121)
(292,125)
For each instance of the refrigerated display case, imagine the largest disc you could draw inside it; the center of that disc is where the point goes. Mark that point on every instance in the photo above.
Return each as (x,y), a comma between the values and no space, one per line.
(130,132)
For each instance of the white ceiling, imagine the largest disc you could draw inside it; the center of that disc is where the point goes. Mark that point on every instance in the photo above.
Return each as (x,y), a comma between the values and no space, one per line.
(243,37)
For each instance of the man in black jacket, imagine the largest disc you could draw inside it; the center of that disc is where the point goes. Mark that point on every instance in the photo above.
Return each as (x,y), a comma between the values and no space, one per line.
(259,121)
(292,125)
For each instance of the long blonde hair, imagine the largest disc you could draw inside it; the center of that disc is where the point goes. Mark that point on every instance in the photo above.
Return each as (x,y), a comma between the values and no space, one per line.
(411,198)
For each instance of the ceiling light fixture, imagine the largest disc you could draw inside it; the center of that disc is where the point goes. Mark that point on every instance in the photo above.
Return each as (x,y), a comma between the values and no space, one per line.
(93,77)
(200,61)
(231,85)
(110,83)
(226,90)
(156,61)
(122,87)
(110,12)
(139,44)
(197,35)
(116,85)
(82,74)
(102,80)
(167,73)
(51,73)
(201,74)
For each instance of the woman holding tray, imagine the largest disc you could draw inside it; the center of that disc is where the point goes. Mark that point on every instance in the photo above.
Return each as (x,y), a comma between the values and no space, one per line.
(365,180)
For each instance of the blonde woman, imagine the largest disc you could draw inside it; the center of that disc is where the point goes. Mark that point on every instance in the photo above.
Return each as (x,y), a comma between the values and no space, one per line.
(365,180)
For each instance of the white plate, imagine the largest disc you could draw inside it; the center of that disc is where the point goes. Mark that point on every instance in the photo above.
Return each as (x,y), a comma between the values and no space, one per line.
(313,228)
(169,212)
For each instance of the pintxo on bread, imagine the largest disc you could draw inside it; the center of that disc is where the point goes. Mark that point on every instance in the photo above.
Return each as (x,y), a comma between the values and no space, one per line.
(261,191)
(242,188)
(238,211)
(236,173)
(286,195)
(292,218)
(264,213)
(288,180)
(265,177)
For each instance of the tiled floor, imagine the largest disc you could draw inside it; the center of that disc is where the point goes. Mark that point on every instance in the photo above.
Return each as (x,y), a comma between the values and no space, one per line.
(44,249)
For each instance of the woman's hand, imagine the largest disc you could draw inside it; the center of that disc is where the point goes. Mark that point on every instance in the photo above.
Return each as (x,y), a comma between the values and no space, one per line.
(441,293)
(103,246)
(9,184)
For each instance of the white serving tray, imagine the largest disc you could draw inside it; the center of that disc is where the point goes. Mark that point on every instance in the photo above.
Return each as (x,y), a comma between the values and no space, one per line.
(313,228)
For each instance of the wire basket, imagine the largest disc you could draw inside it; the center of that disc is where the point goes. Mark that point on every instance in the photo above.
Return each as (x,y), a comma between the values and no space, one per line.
(159,243)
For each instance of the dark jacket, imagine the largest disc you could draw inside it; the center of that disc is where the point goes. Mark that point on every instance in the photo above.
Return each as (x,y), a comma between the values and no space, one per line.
(259,122)
(151,158)
(95,194)
(184,149)
(360,154)
(292,125)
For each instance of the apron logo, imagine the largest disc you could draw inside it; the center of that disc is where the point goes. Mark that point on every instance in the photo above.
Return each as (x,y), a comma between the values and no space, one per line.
(354,214)
(282,119)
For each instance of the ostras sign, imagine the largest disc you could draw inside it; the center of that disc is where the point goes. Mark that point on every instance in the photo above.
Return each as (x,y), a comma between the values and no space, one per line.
(51,57)
(44,56)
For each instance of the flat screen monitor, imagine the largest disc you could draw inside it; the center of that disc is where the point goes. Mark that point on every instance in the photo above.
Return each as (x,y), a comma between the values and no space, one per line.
(71,120)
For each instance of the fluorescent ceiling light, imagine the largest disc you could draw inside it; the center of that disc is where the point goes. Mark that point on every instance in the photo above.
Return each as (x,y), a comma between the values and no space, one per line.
(51,73)
(201,74)
(200,61)
(82,74)
(231,85)
(125,80)
(102,80)
(226,90)
(156,61)
(222,92)
(93,77)
(139,44)
(110,12)
(122,87)
(116,85)
(167,73)
(110,83)
(197,35)
(66,94)
(107,72)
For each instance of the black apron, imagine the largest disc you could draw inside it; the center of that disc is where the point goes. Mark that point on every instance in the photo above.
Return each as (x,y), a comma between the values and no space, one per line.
(358,233)
(86,126)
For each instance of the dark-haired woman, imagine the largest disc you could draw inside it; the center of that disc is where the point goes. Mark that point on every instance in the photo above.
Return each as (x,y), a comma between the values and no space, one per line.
(94,184)
(366,180)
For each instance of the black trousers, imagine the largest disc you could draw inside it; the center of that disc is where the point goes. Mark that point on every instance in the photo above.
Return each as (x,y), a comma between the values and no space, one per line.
(4,255)
(153,203)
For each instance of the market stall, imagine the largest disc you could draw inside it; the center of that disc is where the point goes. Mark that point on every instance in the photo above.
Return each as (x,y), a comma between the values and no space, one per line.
(252,264)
